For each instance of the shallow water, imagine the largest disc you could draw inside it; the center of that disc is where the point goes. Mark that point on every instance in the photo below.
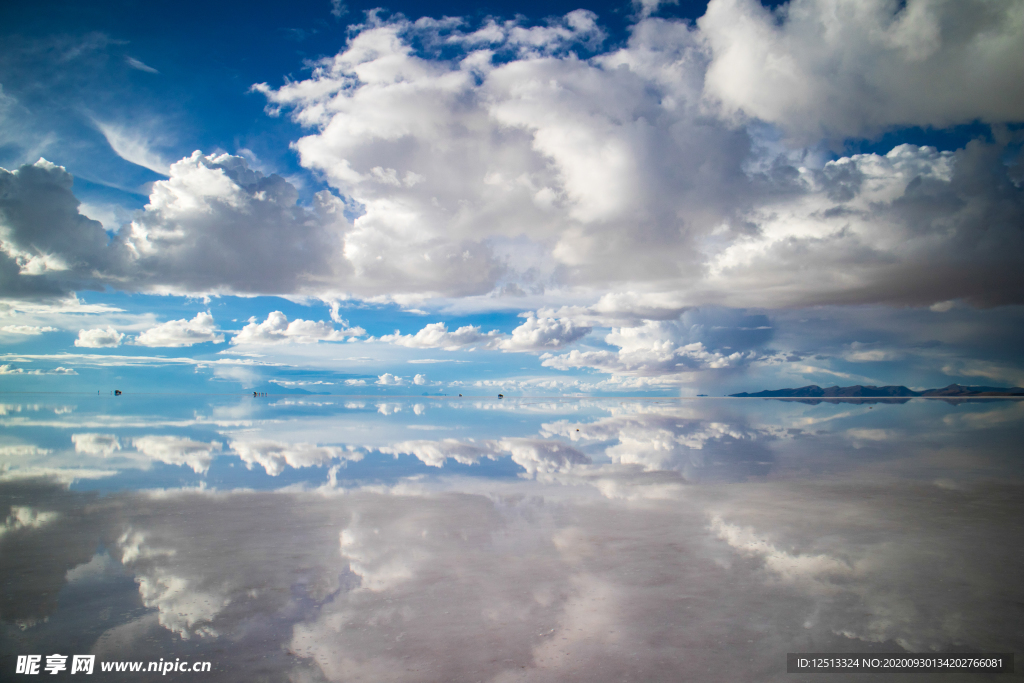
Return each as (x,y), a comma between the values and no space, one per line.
(312,538)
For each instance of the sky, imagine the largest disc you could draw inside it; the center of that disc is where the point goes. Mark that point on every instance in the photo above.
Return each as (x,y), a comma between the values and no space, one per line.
(561,198)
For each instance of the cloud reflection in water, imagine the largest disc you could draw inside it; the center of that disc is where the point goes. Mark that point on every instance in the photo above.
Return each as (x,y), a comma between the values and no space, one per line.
(663,540)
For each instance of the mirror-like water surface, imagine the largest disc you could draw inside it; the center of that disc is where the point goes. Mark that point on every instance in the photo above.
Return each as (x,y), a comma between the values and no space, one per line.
(354,539)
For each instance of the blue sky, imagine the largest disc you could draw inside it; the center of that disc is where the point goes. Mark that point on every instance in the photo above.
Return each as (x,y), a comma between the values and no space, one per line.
(555,198)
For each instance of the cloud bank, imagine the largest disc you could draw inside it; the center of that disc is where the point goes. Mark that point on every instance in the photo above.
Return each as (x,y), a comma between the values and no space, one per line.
(496,158)
(608,193)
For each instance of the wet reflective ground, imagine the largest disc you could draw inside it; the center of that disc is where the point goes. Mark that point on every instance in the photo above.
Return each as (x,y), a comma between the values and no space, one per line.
(355,539)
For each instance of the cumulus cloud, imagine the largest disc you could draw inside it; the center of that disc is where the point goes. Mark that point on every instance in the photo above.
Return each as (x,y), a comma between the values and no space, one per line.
(437,336)
(388,380)
(623,308)
(492,158)
(565,167)
(543,334)
(419,380)
(276,329)
(913,226)
(215,224)
(537,334)
(46,246)
(183,332)
(583,162)
(610,189)
(843,68)
(99,338)
(701,339)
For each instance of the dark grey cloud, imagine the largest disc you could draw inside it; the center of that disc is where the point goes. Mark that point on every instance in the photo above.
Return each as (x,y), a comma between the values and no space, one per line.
(48,246)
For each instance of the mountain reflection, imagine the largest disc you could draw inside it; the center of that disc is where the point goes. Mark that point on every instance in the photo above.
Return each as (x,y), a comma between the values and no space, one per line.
(336,540)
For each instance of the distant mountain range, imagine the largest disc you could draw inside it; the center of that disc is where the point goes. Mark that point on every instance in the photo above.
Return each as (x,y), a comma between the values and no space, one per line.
(858,391)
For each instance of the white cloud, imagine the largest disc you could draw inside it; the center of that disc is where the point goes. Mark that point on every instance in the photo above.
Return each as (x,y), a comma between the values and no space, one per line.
(652,177)
(626,307)
(388,380)
(653,348)
(299,382)
(1000,373)
(177,333)
(844,68)
(437,336)
(111,361)
(216,225)
(29,330)
(419,380)
(136,64)
(277,330)
(8,369)
(45,243)
(99,338)
(23,451)
(581,166)
(131,144)
(543,334)
(645,8)
(903,227)
(558,159)
(867,353)
(96,444)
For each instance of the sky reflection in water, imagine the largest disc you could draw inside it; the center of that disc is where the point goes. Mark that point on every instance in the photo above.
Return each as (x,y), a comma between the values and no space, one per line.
(346,539)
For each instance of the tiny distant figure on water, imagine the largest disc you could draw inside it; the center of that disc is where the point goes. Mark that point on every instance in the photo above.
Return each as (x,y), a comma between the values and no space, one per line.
(117,392)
